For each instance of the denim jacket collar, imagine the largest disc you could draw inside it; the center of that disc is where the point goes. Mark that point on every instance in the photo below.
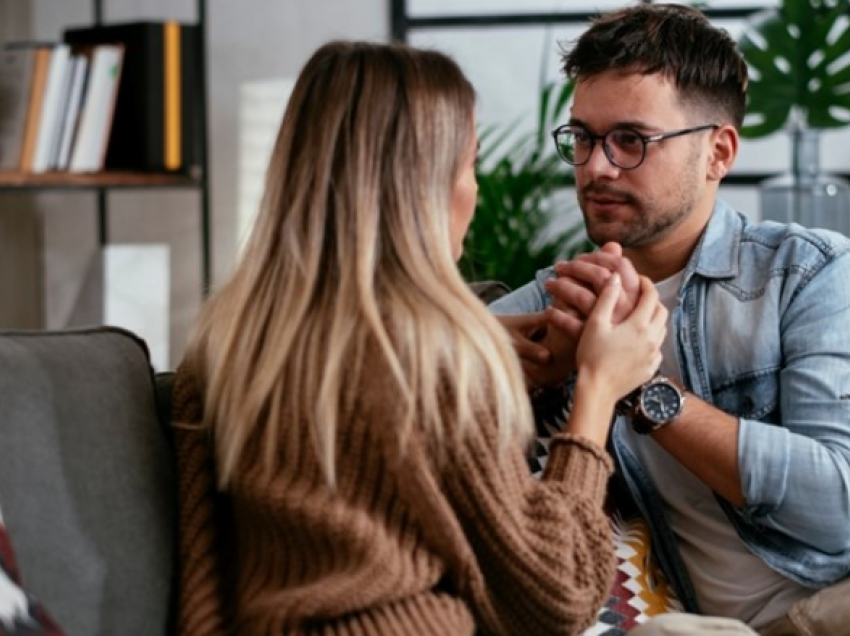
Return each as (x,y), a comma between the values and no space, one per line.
(717,253)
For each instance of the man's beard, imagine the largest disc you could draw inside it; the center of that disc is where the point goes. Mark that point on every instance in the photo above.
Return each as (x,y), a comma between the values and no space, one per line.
(648,224)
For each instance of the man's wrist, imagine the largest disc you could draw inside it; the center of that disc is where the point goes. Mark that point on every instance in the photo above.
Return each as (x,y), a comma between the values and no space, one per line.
(654,405)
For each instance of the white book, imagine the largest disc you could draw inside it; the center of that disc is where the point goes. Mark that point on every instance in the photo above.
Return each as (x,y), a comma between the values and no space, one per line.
(96,118)
(61,114)
(50,110)
(72,113)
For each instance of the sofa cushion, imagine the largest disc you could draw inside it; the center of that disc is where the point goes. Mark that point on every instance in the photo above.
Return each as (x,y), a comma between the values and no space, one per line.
(86,479)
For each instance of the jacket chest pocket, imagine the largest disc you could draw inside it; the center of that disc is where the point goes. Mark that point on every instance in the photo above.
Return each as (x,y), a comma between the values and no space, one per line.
(754,396)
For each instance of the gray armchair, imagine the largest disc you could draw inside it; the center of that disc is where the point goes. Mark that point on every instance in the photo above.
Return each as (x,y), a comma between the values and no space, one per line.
(87,485)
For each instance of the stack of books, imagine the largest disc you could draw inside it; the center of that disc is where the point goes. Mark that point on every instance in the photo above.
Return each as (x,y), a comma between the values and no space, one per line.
(111,97)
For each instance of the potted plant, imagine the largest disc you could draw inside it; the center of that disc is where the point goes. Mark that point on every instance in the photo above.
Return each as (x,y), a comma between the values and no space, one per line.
(513,233)
(800,82)
(794,55)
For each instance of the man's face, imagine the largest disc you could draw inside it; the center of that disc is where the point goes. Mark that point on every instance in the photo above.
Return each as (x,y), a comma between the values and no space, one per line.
(664,195)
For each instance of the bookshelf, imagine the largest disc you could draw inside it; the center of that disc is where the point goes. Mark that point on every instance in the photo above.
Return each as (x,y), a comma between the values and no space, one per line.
(85,181)
(103,182)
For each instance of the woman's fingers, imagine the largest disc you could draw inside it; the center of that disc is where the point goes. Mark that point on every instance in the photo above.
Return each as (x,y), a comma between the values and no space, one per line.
(607,301)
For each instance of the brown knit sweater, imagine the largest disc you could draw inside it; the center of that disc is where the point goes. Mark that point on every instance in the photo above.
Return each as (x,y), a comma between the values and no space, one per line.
(402,547)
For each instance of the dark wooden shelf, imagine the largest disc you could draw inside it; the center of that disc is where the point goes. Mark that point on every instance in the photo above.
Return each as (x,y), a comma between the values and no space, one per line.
(94,180)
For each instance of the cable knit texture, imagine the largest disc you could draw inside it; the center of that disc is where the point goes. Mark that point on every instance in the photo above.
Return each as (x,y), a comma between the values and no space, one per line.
(405,545)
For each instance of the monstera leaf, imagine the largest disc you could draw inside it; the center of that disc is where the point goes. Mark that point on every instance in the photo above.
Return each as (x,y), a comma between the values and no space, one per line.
(798,60)
(511,236)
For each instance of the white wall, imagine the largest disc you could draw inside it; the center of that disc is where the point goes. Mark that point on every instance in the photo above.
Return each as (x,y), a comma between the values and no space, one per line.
(248,40)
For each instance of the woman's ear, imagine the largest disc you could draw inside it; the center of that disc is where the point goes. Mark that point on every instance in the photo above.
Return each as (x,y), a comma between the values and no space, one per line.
(723,152)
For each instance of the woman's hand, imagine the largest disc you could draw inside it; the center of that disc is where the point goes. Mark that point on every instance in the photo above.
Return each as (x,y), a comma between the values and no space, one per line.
(623,355)
(614,358)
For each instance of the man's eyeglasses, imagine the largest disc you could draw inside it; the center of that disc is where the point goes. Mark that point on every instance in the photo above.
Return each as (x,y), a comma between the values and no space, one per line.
(624,147)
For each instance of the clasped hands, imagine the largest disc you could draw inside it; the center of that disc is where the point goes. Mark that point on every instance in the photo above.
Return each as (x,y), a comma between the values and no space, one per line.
(547,342)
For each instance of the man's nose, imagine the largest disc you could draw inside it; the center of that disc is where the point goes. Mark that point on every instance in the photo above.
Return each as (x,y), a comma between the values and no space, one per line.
(598,165)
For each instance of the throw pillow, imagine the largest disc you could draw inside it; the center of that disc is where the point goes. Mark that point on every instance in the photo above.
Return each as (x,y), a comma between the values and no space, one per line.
(20,613)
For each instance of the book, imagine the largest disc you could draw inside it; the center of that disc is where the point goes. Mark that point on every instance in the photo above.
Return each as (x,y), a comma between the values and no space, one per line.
(61,112)
(16,77)
(89,149)
(80,67)
(156,127)
(42,53)
(50,109)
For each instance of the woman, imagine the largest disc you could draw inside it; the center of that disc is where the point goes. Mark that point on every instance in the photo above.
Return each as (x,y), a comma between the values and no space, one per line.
(367,415)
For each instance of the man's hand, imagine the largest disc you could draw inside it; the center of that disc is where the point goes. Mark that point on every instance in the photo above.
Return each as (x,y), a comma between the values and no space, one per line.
(547,355)
(526,331)
(580,281)
(625,354)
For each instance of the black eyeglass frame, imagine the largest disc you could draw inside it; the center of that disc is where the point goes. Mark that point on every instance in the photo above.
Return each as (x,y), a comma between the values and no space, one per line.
(645,139)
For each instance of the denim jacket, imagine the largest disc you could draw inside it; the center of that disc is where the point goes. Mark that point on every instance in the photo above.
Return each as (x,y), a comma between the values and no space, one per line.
(763,333)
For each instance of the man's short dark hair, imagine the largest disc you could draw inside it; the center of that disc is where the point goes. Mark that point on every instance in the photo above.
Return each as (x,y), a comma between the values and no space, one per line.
(678,42)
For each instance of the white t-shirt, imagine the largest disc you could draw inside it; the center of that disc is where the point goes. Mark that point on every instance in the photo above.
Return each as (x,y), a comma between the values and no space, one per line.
(729,580)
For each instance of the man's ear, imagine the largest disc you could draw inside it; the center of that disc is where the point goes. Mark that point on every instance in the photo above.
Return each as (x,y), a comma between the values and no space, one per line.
(724,150)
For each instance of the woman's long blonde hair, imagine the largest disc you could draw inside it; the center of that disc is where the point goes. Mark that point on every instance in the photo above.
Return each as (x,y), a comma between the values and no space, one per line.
(351,251)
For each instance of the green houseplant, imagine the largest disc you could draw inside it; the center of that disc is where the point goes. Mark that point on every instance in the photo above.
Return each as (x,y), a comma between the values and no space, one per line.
(797,54)
(512,235)
(794,53)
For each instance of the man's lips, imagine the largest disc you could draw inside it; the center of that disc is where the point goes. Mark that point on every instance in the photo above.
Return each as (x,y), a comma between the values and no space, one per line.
(606,201)
(605,205)
(603,199)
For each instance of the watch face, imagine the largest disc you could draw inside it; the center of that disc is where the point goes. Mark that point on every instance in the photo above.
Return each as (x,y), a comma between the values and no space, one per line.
(661,402)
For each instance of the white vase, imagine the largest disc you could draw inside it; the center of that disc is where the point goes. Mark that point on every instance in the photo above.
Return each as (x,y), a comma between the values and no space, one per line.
(805,194)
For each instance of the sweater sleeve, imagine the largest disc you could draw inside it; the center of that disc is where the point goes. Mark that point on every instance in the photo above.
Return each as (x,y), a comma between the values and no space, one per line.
(200,611)
(543,558)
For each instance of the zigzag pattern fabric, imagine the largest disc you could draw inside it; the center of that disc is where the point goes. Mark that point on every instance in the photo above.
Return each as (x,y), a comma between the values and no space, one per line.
(640,589)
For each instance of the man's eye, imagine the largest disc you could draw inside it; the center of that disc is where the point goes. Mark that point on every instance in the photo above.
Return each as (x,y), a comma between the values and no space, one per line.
(581,137)
(626,139)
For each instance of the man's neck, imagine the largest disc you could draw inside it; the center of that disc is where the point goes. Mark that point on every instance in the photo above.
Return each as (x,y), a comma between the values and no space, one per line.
(670,253)
(666,256)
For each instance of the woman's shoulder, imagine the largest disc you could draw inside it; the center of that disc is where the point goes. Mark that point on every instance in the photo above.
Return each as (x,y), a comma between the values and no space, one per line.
(187,399)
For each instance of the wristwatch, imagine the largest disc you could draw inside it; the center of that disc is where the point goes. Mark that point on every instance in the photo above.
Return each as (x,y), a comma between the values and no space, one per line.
(653,405)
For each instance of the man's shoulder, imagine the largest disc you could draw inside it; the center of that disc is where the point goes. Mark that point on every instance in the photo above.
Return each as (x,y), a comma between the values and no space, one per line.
(735,246)
(729,226)
(794,244)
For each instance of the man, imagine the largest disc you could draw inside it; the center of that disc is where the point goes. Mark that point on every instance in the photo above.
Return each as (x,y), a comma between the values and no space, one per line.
(739,455)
